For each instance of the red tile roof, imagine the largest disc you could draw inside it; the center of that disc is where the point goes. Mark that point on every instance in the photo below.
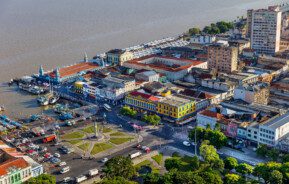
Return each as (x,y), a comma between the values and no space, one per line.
(145,96)
(165,67)
(11,161)
(211,114)
(74,69)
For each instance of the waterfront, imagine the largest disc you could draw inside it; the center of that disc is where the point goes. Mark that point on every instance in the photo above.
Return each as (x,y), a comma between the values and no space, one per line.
(58,32)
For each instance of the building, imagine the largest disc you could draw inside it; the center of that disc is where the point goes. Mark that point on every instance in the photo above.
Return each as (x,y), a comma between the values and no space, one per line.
(118,56)
(249,23)
(148,76)
(274,129)
(207,118)
(15,167)
(173,68)
(142,102)
(180,52)
(241,44)
(222,58)
(202,39)
(253,93)
(71,72)
(176,108)
(265,30)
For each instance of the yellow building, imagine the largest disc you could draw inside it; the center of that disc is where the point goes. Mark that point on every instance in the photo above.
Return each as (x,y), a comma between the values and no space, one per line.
(141,102)
(176,107)
(78,86)
(118,56)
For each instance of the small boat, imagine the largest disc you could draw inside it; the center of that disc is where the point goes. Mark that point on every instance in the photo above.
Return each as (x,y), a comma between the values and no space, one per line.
(2,108)
(43,101)
(53,100)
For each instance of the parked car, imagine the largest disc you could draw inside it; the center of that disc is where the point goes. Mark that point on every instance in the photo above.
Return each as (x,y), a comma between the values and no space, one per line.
(65,170)
(57,155)
(66,179)
(104,160)
(55,160)
(186,143)
(62,164)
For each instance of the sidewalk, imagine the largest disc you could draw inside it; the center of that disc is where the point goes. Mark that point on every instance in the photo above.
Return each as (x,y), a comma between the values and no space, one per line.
(247,156)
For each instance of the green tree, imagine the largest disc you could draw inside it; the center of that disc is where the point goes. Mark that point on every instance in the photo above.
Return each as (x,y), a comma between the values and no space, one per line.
(152,119)
(194,163)
(117,180)
(152,178)
(119,166)
(194,31)
(127,111)
(208,152)
(273,154)
(263,170)
(276,177)
(211,177)
(187,178)
(285,158)
(200,134)
(232,179)
(244,168)
(42,179)
(216,138)
(172,163)
(262,150)
(230,163)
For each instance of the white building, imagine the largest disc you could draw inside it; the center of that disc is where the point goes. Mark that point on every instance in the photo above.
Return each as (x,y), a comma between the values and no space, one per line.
(208,118)
(274,129)
(265,30)
(203,39)
(149,76)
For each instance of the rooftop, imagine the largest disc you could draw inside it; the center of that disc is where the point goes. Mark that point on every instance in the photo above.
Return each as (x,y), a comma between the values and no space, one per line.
(74,69)
(176,100)
(156,62)
(275,123)
(144,95)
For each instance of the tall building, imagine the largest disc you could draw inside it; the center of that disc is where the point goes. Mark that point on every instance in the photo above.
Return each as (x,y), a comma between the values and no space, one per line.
(264,26)
(223,58)
(249,23)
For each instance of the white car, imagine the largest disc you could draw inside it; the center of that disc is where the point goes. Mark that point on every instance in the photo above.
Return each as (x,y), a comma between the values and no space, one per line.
(104,160)
(57,155)
(67,179)
(62,164)
(186,143)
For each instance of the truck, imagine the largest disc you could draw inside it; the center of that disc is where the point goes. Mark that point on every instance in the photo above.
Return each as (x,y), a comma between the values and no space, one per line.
(93,172)
(134,155)
(80,178)
(49,138)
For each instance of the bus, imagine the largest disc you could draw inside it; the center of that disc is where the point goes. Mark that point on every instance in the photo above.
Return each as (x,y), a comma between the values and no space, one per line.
(107,107)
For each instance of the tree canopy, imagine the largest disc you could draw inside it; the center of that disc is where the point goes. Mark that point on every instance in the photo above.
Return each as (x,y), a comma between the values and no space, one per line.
(127,111)
(42,179)
(230,163)
(152,119)
(119,166)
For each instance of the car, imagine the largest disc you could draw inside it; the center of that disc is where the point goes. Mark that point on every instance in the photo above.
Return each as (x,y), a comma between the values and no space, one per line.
(62,164)
(104,160)
(57,155)
(47,155)
(66,179)
(55,160)
(186,143)
(65,170)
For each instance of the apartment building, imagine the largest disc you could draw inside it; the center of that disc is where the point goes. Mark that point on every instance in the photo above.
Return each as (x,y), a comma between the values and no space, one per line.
(118,56)
(264,27)
(223,58)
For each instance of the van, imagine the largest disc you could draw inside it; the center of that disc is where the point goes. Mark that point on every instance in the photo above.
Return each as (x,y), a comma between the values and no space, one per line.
(80,178)
(65,170)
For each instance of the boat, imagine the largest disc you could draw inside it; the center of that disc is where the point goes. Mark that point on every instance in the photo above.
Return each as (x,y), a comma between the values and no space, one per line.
(2,108)
(43,101)
(54,99)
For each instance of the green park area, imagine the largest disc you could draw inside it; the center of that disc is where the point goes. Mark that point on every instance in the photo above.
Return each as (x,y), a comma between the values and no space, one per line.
(84,146)
(158,158)
(118,141)
(73,142)
(73,135)
(100,147)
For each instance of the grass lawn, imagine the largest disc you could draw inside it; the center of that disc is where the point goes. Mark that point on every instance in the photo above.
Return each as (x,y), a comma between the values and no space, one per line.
(73,135)
(185,162)
(158,158)
(118,141)
(89,129)
(84,146)
(147,163)
(99,147)
(106,130)
(74,141)
(118,134)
